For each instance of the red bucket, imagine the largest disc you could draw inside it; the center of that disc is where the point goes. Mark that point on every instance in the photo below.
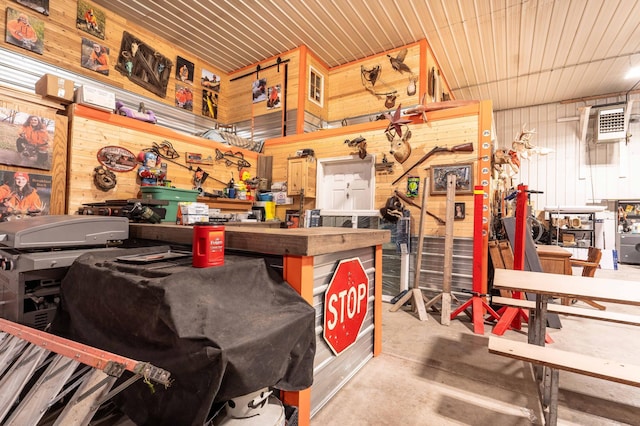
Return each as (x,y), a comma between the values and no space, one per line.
(208,246)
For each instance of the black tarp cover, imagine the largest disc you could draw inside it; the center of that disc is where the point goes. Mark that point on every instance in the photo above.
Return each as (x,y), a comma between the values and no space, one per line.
(221,332)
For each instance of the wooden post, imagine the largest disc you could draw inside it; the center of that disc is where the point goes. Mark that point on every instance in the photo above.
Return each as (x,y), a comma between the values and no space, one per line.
(445,312)
(416,294)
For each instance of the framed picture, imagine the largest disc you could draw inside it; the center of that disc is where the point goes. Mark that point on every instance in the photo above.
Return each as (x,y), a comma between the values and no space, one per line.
(459,212)
(292,218)
(210,80)
(464,178)
(209,104)
(197,158)
(184,70)
(94,56)
(34,198)
(90,19)
(41,6)
(274,97)
(143,65)
(259,90)
(184,97)
(26,139)
(24,31)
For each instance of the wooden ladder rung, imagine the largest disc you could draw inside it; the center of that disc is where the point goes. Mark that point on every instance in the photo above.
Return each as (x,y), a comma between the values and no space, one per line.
(24,353)
(18,375)
(43,393)
(617,317)
(564,360)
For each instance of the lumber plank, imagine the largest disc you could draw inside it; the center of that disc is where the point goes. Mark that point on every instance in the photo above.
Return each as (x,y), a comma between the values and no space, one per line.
(575,311)
(569,361)
(291,241)
(572,286)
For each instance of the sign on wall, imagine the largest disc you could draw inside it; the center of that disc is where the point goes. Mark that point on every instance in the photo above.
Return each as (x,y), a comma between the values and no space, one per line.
(345,305)
(26,139)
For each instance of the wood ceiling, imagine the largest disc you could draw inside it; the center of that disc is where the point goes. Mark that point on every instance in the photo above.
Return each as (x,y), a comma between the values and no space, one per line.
(514,52)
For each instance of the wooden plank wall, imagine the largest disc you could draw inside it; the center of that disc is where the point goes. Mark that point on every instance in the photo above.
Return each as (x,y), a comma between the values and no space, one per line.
(313,108)
(63,41)
(34,104)
(92,129)
(348,97)
(445,128)
(238,100)
(344,94)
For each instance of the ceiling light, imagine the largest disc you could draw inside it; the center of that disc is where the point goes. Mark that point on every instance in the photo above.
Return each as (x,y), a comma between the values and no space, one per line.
(633,73)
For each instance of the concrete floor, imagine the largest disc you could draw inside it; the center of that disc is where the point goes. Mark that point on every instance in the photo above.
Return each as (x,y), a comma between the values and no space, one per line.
(431,374)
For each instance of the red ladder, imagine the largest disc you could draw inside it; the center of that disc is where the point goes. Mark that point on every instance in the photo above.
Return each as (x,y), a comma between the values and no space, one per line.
(70,366)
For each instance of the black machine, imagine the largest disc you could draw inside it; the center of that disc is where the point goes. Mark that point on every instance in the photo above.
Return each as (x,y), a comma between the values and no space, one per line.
(35,254)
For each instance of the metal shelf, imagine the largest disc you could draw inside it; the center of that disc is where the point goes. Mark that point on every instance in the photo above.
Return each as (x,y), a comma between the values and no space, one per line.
(556,232)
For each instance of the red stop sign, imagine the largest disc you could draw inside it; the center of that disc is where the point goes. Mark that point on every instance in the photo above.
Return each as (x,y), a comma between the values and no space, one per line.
(345,305)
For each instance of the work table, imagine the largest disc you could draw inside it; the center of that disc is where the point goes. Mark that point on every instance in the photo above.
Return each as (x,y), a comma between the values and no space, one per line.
(310,258)
(278,241)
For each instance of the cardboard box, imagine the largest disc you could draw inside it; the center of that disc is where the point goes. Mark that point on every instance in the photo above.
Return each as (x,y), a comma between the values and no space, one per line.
(54,87)
(190,213)
(281,198)
(95,97)
(172,195)
(194,208)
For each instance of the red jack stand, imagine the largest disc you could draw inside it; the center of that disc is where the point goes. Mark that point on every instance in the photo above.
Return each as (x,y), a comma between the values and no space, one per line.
(477,301)
(513,317)
(478,305)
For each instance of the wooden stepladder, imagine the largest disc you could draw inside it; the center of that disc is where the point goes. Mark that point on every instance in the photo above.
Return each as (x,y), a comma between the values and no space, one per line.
(41,373)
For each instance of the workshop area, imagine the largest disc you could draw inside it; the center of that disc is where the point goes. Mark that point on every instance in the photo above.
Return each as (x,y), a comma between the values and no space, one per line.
(223,213)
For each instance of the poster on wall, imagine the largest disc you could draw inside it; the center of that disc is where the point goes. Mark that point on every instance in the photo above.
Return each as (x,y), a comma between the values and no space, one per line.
(274,97)
(209,104)
(25,139)
(259,90)
(210,80)
(184,70)
(94,56)
(90,19)
(143,65)
(184,97)
(24,31)
(23,195)
(41,6)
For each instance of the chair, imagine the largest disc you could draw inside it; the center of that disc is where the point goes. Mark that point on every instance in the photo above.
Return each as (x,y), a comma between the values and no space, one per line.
(501,258)
(589,268)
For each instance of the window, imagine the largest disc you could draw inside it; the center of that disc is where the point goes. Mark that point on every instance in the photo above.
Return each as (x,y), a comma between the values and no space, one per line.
(316,86)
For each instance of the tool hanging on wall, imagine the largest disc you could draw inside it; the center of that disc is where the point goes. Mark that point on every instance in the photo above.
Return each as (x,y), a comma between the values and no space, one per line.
(232,158)
(413,186)
(66,381)
(465,147)
(411,88)
(397,62)
(261,68)
(369,78)
(360,143)
(415,294)
(104,178)
(412,203)
(166,151)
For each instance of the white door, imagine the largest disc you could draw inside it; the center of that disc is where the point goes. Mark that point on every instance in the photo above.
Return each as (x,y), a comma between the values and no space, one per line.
(345,184)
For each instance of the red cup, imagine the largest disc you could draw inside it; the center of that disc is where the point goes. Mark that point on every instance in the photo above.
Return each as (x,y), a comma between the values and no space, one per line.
(208,246)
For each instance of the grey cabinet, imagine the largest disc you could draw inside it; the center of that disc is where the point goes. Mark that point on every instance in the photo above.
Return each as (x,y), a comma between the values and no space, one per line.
(628,237)
(629,251)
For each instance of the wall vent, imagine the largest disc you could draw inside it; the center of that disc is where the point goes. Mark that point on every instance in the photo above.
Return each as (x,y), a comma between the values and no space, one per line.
(610,124)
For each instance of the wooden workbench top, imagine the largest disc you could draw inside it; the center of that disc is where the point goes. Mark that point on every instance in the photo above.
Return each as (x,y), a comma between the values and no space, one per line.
(278,241)
(552,251)
(572,286)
